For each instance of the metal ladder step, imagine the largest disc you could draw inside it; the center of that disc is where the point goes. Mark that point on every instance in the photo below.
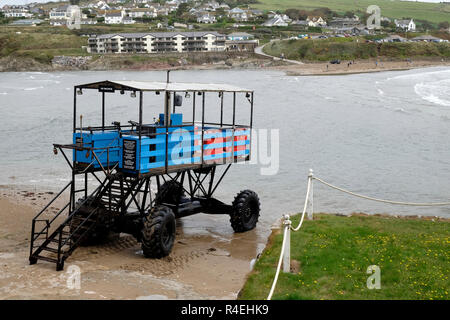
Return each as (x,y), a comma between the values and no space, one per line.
(54,250)
(56,240)
(46,259)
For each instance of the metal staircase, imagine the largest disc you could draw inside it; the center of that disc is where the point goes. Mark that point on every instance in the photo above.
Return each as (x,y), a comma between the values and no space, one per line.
(57,244)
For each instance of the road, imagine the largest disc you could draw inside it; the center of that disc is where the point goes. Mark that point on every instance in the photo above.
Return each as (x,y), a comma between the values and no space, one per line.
(259,50)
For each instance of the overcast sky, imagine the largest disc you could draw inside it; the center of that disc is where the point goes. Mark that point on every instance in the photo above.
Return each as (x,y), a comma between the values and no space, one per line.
(3,2)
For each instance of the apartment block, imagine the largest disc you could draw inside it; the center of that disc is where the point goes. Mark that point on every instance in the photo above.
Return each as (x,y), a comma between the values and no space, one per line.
(157,42)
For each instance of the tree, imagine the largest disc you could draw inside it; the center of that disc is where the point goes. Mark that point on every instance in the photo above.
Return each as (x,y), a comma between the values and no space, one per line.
(182,8)
(426,25)
(349,14)
(294,14)
(444,25)
(323,12)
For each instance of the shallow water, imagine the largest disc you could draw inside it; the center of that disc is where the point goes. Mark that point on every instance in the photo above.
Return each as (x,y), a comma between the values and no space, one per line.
(382,134)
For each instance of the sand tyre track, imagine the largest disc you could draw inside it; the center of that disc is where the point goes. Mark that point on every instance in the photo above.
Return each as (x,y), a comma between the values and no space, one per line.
(158,232)
(99,234)
(245,213)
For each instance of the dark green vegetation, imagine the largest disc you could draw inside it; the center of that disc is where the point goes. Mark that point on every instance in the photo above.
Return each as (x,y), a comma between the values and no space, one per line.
(351,48)
(334,252)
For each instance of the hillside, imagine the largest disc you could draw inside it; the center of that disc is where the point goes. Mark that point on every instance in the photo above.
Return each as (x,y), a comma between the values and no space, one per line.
(350,49)
(433,12)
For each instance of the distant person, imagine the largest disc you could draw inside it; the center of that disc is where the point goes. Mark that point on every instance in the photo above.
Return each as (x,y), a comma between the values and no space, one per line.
(376,64)
(327,66)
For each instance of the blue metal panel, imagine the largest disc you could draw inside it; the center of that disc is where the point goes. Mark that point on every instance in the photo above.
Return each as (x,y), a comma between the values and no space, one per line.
(100,141)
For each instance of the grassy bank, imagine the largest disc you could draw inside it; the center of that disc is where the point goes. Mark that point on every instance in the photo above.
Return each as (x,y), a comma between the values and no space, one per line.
(33,49)
(333,253)
(349,49)
(434,12)
(40,46)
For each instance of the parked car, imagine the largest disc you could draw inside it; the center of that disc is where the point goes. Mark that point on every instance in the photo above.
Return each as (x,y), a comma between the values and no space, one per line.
(335,61)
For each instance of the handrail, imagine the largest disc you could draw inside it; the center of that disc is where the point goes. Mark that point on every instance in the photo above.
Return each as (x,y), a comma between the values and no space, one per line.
(95,193)
(48,205)
(48,222)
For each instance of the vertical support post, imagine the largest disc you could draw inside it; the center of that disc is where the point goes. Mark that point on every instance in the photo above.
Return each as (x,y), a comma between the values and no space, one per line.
(251,128)
(141,98)
(85,185)
(193,108)
(233,158)
(234,108)
(72,186)
(103,111)
(203,123)
(221,108)
(74,109)
(58,264)
(311,197)
(167,123)
(140,114)
(173,104)
(287,246)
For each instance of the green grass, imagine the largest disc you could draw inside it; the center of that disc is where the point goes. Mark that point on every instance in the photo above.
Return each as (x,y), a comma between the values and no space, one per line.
(434,12)
(334,253)
(32,42)
(349,49)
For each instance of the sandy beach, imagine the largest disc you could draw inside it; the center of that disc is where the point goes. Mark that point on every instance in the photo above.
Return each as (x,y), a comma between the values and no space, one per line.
(209,261)
(357,66)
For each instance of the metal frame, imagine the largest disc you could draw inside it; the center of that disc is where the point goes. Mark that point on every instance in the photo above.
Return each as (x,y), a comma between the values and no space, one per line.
(119,191)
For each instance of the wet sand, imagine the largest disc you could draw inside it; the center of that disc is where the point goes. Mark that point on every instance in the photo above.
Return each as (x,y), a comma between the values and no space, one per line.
(359,66)
(208,261)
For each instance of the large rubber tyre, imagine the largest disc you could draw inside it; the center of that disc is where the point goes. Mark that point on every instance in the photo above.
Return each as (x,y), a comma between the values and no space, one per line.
(245,213)
(158,232)
(97,235)
(170,192)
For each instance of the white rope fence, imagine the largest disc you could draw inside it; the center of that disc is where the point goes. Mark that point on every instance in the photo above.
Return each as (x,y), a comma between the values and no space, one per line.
(285,255)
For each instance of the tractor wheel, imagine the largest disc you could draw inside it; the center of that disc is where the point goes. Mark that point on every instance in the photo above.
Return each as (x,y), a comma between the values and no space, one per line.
(98,233)
(158,232)
(245,213)
(170,192)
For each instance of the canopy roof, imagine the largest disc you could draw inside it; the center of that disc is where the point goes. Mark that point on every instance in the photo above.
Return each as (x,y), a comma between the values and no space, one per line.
(128,85)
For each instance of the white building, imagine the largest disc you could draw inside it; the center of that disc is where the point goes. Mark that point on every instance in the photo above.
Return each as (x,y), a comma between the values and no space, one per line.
(407,25)
(276,21)
(316,22)
(238,14)
(206,18)
(59,13)
(114,17)
(144,12)
(16,12)
(157,42)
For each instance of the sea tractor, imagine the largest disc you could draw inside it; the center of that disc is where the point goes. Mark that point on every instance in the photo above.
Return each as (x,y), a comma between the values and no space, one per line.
(113,166)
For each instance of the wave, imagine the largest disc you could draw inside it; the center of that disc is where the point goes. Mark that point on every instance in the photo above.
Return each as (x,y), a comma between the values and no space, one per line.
(437,92)
(421,75)
(33,88)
